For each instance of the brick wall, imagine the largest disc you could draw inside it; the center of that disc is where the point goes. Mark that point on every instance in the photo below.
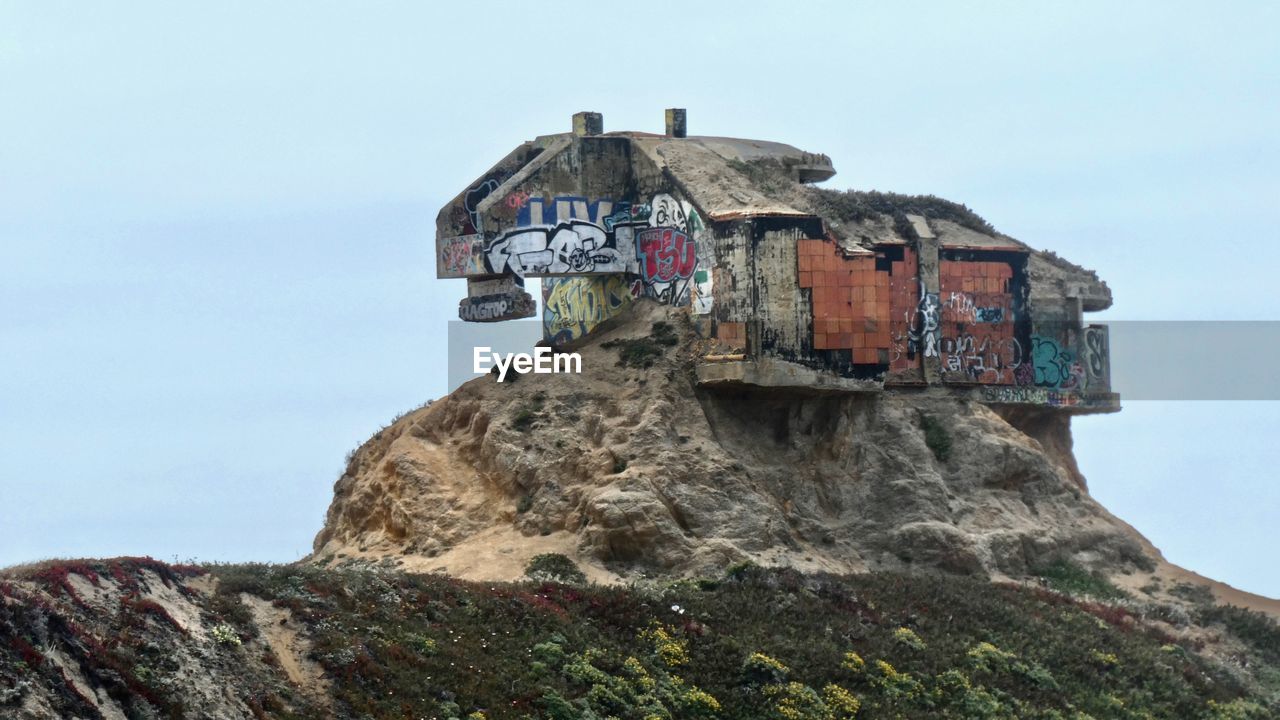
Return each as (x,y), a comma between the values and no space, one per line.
(904,297)
(873,313)
(851,301)
(977,342)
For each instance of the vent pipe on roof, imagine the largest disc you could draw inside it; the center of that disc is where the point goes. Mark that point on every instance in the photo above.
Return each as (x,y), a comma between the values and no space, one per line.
(588,123)
(677,124)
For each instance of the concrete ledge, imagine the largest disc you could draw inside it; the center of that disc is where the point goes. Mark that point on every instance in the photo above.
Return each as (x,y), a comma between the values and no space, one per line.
(771,372)
(1071,401)
(720,371)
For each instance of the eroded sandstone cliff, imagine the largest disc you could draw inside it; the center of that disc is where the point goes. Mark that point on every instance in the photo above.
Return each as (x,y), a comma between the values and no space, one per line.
(639,470)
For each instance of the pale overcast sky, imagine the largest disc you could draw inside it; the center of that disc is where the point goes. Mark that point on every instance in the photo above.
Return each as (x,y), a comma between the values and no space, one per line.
(216,222)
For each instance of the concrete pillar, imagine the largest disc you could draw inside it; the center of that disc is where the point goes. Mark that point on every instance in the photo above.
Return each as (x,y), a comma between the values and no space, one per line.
(929,252)
(677,125)
(588,123)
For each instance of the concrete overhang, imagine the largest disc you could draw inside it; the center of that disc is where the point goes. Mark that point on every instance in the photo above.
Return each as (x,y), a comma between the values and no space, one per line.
(769,372)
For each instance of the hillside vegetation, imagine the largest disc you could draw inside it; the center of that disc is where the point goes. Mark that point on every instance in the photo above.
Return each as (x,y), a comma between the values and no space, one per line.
(136,638)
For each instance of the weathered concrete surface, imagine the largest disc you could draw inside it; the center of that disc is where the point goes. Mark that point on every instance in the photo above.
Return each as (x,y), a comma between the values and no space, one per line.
(907,290)
(769,372)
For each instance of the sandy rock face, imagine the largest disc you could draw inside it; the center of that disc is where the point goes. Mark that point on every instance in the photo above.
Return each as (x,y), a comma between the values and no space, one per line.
(639,470)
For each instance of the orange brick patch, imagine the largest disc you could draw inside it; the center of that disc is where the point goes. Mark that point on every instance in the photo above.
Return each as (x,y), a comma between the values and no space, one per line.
(851,300)
(977,341)
(904,297)
(732,333)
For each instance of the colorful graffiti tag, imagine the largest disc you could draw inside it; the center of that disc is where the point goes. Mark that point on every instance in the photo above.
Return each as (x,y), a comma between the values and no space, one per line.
(574,306)
(1029,396)
(572,247)
(979,343)
(459,256)
(561,237)
(1053,366)
(667,260)
(495,300)
(596,255)
(1097,355)
(982,357)
(987,308)
(1007,395)
(572,235)
(536,211)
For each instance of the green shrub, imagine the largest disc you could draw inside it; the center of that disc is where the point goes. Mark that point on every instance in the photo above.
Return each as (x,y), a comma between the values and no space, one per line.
(936,437)
(739,570)
(1068,577)
(760,669)
(908,638)
(668,649)
(556,707)
(225,635)
(549,654)
(395,644)
(1260,632)
(1198,594)
(529,412)
(644,351)
(556,568)
(859,206)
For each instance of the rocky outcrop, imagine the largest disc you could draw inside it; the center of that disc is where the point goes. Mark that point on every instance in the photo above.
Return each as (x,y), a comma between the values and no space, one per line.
(633,471)
(136,638)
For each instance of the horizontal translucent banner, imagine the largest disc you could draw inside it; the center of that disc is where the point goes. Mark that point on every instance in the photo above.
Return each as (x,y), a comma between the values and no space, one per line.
(1195,359)
(1149,359)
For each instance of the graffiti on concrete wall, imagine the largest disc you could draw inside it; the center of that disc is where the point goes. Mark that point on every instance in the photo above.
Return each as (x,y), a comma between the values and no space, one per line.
(667,252)
(495,300)
(633,248)
(1005,394)
(979,343)
(562,236)
(473,197)
(982,357)
(985,308)
(515,199)
(460,256)
(668,212)
(574,306)
(667,261)
(990,315)
(1023,395)
(1053,365)
(575,246)
(537,211)
(701,295)
(1097,360)
(495,308)
(628,214)
(665,264)
(922,338)
(879,308)
(576,236)
(1029,396)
